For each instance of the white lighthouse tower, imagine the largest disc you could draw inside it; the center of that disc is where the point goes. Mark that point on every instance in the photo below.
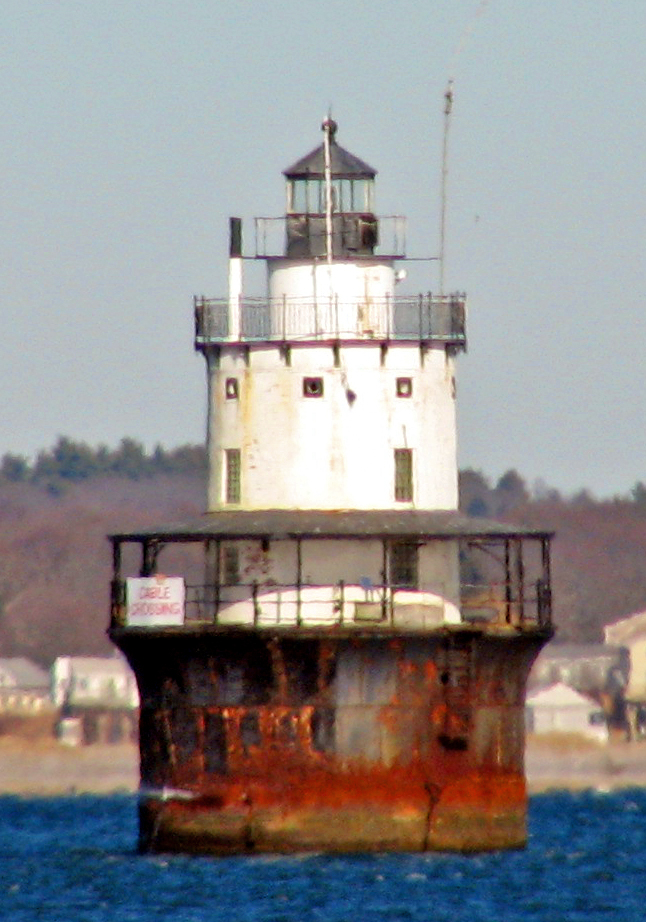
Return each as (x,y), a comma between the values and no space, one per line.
(335,658)
(331,392)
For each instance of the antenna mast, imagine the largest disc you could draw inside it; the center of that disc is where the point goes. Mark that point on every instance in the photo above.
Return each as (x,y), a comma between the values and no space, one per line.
(448,105)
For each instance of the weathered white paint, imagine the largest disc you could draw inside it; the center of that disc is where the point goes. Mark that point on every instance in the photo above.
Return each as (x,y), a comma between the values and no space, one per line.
(349,297)
(341,580)
(235,296)
(334,451)
(328,605)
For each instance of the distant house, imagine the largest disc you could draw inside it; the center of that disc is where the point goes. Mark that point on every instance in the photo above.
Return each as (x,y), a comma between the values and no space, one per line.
(24,687)
(98,698)
(561,709)
(590,668)
(631,633)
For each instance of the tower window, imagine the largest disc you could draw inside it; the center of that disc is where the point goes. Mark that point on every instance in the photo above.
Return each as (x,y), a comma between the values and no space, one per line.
(231,389)
(232,483)
(230,565)
(403,475)
(312,387)
(404,387)
(403,566)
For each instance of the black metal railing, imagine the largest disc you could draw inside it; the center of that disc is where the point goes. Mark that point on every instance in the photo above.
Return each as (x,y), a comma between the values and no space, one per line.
(274,236)
(351,605)
(425,318)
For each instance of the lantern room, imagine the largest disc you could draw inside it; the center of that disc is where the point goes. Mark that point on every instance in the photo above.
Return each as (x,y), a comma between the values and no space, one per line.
(330,200)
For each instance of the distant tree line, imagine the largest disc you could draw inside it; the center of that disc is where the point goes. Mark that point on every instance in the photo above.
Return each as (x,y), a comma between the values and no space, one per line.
(69,461)
(479,498)
(56,510)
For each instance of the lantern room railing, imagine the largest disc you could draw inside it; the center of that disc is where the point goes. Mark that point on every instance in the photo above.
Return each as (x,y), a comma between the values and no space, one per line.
(425,318)
(354,235)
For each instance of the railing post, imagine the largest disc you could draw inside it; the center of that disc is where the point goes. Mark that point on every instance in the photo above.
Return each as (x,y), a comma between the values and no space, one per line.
(341,601)
(507,582)
(299,578)
(384,581)
(547,582)
(196,318)
(520,573)
(420,306)
(254,597)
(218,579)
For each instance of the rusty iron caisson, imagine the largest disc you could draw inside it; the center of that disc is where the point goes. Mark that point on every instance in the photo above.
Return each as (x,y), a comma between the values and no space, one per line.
(331,741)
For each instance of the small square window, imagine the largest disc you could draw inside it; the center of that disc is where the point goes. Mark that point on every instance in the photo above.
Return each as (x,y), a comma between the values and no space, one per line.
(231,389)
(312,387)
(404,387)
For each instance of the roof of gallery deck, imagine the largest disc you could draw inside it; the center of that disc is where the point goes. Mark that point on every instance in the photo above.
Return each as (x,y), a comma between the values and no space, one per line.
(317,523)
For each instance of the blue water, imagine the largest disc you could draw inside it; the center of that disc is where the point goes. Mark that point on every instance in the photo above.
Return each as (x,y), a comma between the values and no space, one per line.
(73,859)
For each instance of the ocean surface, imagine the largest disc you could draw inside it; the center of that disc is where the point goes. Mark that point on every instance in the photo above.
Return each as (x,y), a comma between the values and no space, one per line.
(73,859)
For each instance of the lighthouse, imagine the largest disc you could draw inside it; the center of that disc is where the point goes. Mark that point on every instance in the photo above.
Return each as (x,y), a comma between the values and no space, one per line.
(332,657)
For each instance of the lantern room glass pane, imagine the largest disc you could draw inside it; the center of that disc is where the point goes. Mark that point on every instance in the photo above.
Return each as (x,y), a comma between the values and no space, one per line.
(362,195)
(316,196)
(307,196)
(298,198)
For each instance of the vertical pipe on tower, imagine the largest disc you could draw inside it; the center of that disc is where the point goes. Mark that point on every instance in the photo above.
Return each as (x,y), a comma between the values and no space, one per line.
(235,278)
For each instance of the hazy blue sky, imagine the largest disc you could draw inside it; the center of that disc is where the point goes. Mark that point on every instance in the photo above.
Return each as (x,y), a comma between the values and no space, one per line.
(132,130)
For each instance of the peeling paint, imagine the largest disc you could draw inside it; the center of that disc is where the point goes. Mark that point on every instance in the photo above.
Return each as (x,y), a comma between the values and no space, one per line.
(294,734)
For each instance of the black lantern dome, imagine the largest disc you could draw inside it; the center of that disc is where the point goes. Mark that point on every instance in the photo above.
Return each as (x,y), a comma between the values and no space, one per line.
(352,199)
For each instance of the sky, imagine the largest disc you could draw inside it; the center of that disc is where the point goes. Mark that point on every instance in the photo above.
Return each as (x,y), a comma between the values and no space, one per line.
(132,130)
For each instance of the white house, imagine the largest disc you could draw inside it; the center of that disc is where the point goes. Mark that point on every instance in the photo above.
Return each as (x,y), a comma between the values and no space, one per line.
(560,709)
(24,686)
(93,681)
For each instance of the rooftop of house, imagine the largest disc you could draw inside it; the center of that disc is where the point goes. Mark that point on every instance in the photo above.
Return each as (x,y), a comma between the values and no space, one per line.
(626,629)
(559,695)
(20,672)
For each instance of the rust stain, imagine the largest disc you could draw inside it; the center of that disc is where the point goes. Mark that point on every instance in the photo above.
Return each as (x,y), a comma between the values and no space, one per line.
(290,743)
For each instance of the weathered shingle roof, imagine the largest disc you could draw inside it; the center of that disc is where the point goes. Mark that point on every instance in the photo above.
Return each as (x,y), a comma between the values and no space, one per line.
(319,523)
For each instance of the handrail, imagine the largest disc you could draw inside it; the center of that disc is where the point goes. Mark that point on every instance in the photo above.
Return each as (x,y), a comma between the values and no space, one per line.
(424,318)
(271,233)
(344,604)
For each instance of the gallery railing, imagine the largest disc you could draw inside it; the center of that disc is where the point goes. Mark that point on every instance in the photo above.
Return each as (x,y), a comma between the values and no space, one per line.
(425,318)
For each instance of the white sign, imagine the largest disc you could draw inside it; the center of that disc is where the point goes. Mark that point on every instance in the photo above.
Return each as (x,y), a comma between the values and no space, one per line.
(154,601)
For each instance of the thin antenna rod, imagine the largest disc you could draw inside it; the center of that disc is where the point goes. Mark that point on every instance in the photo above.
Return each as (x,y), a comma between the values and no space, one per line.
(448,105)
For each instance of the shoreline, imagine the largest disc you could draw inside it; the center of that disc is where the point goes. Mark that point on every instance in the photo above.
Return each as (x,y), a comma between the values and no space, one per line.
(43,767)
